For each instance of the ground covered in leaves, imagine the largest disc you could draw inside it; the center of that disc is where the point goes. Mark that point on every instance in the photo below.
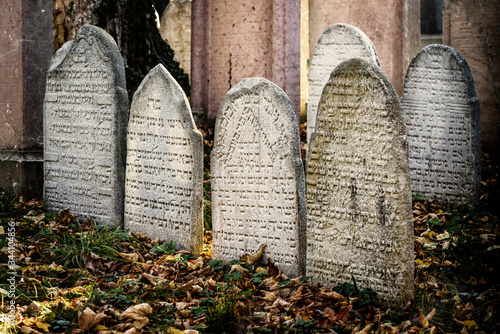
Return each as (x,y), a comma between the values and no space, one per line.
(79,277)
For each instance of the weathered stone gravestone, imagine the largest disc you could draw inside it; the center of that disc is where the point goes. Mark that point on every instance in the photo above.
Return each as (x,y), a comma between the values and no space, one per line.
(338,43)
(85,115)
(442,116)
(175,28)
(358,186)
(258,177)
(164,172)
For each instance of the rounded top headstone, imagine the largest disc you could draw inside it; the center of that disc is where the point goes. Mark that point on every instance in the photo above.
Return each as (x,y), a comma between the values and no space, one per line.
(338,43)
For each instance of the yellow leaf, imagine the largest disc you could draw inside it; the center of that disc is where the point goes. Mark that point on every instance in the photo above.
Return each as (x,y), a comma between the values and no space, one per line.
(172,330)
(43,326)
(252,259)
(100,327)
(196,264)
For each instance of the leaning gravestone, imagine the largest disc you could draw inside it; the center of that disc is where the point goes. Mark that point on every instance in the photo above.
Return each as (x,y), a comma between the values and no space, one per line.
(164,172)
(338,43)
(258,177)
(444,137)
(358,187)
(85,115)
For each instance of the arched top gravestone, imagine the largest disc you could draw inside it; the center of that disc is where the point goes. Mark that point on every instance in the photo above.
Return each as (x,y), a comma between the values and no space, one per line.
(258,177)
(175,28)
(358,187)
(337,43)
(443,119)
(85,115)
(164,173)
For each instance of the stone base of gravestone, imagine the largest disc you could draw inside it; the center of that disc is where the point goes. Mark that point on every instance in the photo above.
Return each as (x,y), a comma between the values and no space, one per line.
(21,173)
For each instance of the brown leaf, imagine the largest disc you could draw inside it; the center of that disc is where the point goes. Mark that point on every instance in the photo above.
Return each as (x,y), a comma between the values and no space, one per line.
(343,314)
(196,264)
(271,269)
(134,257)
(132,330)
(27,330)
(88,319)
(186,287)
(155,280)
(138,313)
(252,259)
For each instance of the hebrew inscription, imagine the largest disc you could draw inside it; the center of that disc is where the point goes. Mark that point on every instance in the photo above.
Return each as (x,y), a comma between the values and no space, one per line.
(442,115)
(257,177)
(163,185)
(338,43)
(85,113)
(358,190)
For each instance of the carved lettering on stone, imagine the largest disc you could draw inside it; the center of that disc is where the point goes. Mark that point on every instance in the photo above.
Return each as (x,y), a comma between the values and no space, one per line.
(163,185)
(337,43)
(358,187)
(442,116)
(257,177)
(85,114)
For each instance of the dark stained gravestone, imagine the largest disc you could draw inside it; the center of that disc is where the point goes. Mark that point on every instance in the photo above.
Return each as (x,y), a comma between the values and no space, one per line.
(441,112)
(358,187)
(85,115)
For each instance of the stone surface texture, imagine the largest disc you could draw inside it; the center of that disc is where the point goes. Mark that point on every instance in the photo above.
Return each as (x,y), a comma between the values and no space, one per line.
(358,187)
(164,171)
(473,28)
(25,51)
(235,39)
(175,28)
(258,178)
(85,121)
(442,115)
(338,43)
(392,25)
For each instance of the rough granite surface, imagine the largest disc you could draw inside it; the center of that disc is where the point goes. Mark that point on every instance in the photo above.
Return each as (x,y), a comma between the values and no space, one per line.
(442,115)
(164,172)
(338,43)
(258,178)
(358,187)
(85,115)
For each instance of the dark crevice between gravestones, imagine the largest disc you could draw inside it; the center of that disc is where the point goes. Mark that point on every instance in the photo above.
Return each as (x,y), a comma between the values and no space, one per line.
(132,24)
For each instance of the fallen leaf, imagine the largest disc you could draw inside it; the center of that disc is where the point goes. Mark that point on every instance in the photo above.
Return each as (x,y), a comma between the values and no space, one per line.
(42,325)
(252,259)
(138,313)
(88,319)
(196,264)
(27,330)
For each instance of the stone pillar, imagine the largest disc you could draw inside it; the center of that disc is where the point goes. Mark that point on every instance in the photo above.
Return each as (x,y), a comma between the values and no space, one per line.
(236,39)
(393,26)
(472,27)
(25,49)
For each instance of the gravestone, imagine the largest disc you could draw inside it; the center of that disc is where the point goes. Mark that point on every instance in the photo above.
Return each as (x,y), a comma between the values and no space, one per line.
(392,25)
(85,115)
(472,28)
(338,43)
(175,28)
(442,116)
(164,172)
(232,40)
(25,51)
(258,177)
(358,187)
